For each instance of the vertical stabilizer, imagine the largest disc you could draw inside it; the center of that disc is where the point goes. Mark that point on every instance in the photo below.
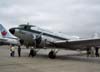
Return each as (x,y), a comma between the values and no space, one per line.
(3,32)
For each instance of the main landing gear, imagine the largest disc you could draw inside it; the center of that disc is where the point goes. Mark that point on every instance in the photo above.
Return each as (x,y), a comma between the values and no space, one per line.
(52,54)
(32,53)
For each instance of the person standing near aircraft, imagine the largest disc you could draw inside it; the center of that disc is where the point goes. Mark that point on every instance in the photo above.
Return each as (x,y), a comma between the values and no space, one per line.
(96,51)
(19,51)
(92,51)
(12,49)
(88,51)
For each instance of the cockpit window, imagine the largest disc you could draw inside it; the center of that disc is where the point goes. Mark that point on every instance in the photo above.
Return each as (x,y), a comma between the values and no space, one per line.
(21,26)
(25,26)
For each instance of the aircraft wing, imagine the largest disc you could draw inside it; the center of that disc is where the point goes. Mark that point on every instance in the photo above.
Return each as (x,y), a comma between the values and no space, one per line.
(77,44)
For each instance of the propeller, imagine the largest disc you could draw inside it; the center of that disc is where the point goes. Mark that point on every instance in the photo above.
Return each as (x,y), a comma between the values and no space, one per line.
(38,39)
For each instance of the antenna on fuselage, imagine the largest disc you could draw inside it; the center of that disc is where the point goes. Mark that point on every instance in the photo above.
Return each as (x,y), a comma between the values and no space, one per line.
(27,23)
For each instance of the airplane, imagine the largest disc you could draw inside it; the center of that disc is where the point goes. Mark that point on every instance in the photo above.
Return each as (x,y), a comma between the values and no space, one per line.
(31,35)
(6,38)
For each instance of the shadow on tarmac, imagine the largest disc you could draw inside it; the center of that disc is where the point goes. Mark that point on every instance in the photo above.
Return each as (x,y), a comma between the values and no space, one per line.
(73,58)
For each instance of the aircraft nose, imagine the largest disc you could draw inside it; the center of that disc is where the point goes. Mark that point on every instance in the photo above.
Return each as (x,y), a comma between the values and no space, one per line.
(12,30)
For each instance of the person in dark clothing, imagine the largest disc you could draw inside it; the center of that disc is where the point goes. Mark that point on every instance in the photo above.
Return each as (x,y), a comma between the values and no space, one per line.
(96,51)
(31,52)
(88,51)
(19,51)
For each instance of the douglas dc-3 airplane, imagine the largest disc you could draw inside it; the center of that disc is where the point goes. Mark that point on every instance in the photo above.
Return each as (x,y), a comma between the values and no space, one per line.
(6,38)
(31,35)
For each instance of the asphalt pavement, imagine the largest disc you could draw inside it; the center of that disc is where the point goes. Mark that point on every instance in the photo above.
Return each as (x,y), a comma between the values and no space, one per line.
(66,61)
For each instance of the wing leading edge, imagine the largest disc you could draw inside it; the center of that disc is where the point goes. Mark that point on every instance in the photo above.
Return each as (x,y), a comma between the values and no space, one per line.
(78,44)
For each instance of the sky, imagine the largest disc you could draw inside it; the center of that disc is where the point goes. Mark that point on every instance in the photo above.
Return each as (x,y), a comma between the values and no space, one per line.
(71,17)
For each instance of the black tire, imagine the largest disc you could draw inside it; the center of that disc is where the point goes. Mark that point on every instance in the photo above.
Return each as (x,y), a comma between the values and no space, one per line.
(52,55)
(34,53)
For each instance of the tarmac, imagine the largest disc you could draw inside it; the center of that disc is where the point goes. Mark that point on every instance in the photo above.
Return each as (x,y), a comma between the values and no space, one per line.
(66,61)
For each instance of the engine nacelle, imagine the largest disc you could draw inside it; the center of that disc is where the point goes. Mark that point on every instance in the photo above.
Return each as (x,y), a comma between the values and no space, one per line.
(40,41)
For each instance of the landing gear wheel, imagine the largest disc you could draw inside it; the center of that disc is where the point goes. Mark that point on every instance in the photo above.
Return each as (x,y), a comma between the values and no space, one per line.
(34,53)
(52,55)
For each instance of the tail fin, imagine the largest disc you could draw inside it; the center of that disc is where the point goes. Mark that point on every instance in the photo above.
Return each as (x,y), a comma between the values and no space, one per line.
(5,33)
